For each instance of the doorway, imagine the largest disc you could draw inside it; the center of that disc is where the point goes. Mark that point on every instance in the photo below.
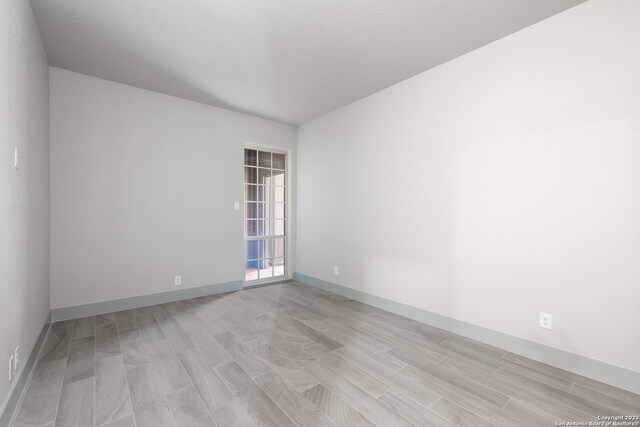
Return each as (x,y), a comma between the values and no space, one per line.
(265,198)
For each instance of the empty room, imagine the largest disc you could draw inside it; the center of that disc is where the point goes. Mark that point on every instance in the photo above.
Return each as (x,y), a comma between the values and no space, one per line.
(336,213)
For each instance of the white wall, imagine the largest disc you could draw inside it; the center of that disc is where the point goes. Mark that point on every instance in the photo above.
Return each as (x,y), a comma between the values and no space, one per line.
(501,184)
(24,192)
(142,189)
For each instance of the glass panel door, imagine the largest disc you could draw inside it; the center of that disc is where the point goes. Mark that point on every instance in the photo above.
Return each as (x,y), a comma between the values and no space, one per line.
(264,215)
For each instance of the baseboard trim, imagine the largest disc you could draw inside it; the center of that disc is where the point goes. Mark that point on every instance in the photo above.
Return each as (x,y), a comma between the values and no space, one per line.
(581,365)
(93,309)
(23,376)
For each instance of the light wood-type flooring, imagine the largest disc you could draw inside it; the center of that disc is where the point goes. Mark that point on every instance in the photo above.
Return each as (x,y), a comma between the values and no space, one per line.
(292,355)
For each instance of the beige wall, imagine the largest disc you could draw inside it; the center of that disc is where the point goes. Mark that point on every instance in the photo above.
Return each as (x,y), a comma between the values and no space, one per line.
(142,189)
(501,184)
(24,192)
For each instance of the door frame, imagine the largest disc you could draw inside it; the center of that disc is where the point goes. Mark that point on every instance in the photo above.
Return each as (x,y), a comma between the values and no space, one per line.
(288,274)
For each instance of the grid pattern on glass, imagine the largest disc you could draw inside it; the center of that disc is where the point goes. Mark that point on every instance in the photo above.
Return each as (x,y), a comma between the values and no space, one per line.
(265,214)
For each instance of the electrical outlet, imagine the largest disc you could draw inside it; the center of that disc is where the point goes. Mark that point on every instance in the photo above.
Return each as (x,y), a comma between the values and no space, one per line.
(11,368)
(545,320)
(336,270)
(178,280)
(16,359)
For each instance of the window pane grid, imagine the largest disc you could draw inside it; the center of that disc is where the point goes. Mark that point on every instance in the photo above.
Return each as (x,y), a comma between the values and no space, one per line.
(264,210)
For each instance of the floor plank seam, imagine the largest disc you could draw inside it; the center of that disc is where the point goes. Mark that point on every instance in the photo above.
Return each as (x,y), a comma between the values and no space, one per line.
(64,371)
(164,393)
(178,389)
(126,380)
(267,394)
(433,404)
(506,403)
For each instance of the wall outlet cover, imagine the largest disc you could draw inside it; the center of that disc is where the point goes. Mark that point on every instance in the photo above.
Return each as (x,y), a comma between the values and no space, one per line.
(545,320)
(178,280)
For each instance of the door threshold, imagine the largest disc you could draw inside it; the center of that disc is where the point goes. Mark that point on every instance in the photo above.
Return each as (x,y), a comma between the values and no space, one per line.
(261,285)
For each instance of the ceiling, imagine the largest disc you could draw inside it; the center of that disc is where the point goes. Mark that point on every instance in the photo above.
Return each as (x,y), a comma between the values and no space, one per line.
(286,60)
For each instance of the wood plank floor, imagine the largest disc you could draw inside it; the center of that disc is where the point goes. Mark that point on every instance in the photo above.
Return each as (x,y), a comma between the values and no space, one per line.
(292,355)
